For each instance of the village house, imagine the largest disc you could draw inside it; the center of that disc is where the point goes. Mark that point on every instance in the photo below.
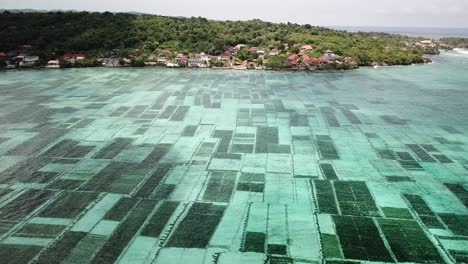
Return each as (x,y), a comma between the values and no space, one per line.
(110,62)
(239,47)
(172,65)
(427,43)
(225,56)
(306,48)
(127,60)
(183,59)
(164,56)
(152,57)
(202,56)
(293,57)
(197,63)
(72,58)
(53,64)
(274,52)
(328,54)
(80,57)
(29,61)
(151,60)
(2,54)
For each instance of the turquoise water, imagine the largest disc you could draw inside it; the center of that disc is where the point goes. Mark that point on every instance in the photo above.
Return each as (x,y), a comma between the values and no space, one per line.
(188,166)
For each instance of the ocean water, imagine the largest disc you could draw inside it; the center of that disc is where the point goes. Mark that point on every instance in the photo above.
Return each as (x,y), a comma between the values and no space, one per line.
(203,166)
(435,33)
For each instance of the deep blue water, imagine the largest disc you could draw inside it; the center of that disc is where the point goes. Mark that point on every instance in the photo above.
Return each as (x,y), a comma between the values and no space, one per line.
(435,33)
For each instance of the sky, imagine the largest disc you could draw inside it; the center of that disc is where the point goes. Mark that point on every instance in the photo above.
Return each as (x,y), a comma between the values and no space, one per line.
(379,13)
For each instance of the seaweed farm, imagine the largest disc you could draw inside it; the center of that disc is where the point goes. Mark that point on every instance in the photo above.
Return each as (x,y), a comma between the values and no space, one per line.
(221,167)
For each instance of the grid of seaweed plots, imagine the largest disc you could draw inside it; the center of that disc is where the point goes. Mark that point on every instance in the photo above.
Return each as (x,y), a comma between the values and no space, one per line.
(163,166)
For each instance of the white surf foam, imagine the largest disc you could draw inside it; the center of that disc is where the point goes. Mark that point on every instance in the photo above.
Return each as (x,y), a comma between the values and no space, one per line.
(462,51)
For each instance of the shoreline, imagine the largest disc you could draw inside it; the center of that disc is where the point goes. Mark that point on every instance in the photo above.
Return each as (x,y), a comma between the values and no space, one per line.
(217,68)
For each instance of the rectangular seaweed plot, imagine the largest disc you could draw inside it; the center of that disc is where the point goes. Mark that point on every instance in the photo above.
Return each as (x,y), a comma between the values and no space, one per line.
(360,239)
(60,250)
(424,211)
(38,142)
(154,180)
(69,205)
(351,116)
(328,171)
(225,136)
(251,182)
(18,254)
(326,148)
(456,223)
(113,149)
(254,242)
(459,191)
(189,131)
(39,230)
(24,204)
(355,199)
(265,137)
(325,197)
(180,113)
(159,104)
(420,152)
(297,120)
(408,241)
(159,220)
(167,112)
(220,186)
(408,162)
(104,179)
(329,115)
(68,149)
(197,228)
(124,233)
(331,246)
(121,209)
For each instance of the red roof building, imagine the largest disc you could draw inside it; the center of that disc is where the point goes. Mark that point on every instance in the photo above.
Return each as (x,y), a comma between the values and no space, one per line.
(183,59)
(239,47)
(166,51)
(71,57)
(306,47)
(322,60)
(68,56)
(305,57)
(2,54)
(253,49)
(292,57)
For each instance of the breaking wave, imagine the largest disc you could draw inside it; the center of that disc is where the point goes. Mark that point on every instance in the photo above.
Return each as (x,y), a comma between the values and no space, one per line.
(462,51)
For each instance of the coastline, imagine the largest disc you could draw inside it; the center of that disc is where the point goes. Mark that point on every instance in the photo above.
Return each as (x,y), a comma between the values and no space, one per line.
(218,68)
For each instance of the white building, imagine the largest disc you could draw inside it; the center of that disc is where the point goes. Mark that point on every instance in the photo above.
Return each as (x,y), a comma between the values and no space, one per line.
(29,61)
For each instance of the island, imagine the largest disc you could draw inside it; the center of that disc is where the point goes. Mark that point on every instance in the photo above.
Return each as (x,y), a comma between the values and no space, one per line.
(91,39)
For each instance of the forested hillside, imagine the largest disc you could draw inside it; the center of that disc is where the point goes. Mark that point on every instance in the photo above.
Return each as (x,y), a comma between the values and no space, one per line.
(104,33)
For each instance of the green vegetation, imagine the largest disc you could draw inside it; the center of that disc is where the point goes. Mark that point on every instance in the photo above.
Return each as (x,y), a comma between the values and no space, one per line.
(105,34)
(455,42)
